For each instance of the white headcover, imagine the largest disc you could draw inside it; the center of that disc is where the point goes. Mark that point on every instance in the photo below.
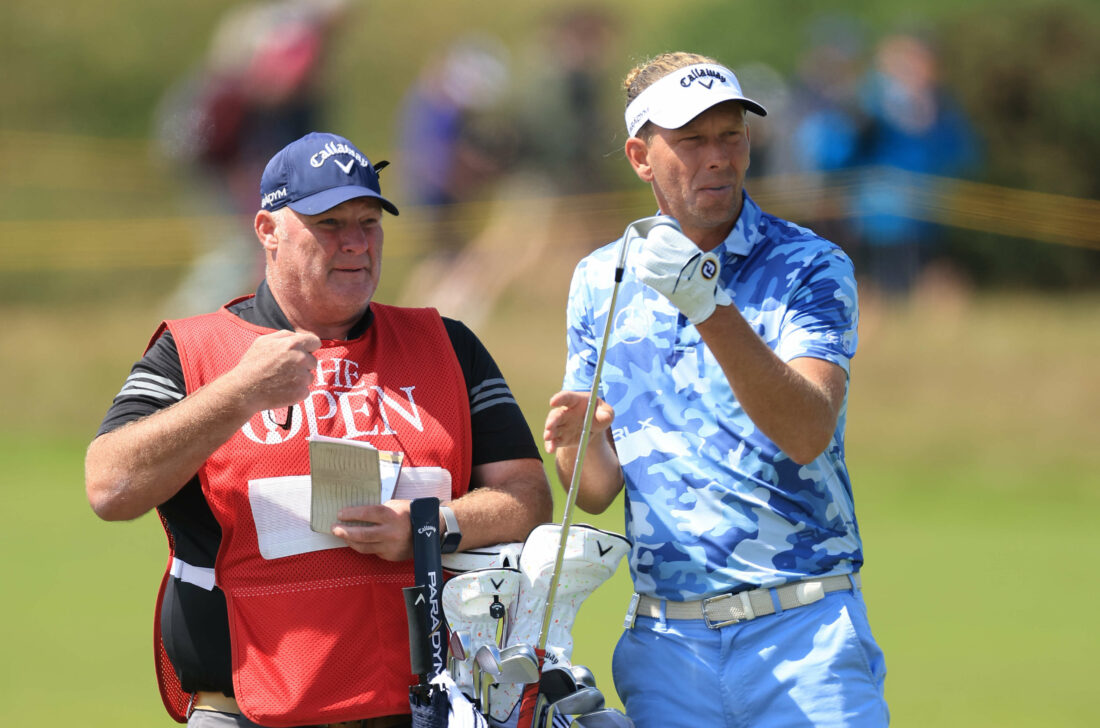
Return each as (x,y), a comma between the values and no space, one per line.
(685,93)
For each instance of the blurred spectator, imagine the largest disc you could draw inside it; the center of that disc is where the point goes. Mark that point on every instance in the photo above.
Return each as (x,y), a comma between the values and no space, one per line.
(912,126)
(826,123)
(770,135)
(255,91)
(454,139)
(458,145)
(568,131)
(826,103)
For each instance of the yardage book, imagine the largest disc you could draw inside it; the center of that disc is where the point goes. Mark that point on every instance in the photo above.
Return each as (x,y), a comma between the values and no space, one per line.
(347,473)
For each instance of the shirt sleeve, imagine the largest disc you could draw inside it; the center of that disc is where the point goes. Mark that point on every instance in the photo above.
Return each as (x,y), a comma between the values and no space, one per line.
(822,318)
(580,337)
(155,382)
(499,429)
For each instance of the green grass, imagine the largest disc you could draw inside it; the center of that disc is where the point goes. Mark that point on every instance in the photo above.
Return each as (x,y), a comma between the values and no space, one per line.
(971,443)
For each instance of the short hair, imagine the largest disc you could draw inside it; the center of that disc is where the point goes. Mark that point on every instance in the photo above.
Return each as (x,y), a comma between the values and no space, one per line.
(649,72)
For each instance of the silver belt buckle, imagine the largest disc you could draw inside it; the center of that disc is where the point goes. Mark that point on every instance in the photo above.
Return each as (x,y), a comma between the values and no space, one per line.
(746,607)
(706,612)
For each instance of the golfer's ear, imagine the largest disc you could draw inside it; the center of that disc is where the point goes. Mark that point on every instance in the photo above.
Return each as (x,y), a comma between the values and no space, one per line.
(637,153)
(265,230)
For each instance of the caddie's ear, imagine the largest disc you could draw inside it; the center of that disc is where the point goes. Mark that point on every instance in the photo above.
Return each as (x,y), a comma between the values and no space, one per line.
(637,153)
(266,225)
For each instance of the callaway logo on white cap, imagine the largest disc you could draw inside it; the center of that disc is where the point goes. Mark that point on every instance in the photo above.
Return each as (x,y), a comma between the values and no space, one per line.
(679,97)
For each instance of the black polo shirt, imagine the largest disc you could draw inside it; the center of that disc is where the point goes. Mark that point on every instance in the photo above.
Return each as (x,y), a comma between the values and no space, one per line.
(194,622)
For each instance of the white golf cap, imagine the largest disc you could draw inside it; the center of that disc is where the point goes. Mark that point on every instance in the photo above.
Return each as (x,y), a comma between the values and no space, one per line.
(679,97)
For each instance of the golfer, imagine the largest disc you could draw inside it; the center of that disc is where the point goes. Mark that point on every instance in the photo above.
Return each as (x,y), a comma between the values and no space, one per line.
(255,627)
(723,394)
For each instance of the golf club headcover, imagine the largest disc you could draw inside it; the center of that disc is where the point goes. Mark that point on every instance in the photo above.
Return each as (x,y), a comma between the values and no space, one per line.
(498,556)
(475,603)
(671,264)
(591,557)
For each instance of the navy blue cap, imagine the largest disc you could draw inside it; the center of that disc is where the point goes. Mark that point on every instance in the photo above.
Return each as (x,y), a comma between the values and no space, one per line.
(318,172)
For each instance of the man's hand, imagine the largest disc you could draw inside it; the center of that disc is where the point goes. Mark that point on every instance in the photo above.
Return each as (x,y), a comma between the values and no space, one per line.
(130,470)
(565,421)
(602,478)
(384,530)
(671,264)
(277,369)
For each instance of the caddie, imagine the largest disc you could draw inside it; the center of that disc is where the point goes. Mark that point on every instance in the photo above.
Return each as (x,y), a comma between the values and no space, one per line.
(722,415)
(211,427)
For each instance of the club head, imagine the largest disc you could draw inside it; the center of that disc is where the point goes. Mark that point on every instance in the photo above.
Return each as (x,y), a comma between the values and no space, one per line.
(519,649)
(459,642)
(583,676)
(603,718)
(583,701)
(518,666)
(488,659)
(556,683)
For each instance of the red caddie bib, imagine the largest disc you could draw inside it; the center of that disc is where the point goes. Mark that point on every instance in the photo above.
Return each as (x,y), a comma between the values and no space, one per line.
(321,637)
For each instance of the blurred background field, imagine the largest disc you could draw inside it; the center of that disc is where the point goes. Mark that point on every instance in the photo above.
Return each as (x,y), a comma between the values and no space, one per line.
(972,440)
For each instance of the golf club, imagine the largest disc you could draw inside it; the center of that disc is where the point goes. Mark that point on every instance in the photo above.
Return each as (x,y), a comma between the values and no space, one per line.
(459,642)
(527,706)
(585,700)
(555,684)
(487,659)
(583,676)
(518,664)
(603,718)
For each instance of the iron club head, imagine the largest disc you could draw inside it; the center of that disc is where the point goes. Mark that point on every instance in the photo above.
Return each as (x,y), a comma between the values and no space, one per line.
(488,659)
(583,675)
(518,664)
(603,718)
(584,700)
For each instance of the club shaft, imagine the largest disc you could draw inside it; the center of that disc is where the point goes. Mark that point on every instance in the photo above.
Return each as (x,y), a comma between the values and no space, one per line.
(582,447)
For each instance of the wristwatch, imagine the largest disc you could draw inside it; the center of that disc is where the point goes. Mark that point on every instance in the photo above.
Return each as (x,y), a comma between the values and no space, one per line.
(452,536)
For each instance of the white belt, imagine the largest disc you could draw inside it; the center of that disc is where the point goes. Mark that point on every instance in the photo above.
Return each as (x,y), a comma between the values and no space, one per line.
(200,576)
(725,609)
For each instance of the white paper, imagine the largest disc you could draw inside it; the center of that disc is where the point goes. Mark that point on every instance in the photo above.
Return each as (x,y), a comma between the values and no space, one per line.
(281,506)
(280,509)
(422,482)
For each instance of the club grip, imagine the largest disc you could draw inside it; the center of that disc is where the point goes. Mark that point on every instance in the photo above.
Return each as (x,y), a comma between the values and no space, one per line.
(428,569)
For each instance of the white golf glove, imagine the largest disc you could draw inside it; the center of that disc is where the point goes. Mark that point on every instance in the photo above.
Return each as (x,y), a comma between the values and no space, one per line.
(671,264)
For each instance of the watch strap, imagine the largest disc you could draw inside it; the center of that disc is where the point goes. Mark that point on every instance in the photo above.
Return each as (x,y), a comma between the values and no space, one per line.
(452,535)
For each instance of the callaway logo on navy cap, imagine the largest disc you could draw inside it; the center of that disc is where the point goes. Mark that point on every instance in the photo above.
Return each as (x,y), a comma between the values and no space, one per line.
(318,172)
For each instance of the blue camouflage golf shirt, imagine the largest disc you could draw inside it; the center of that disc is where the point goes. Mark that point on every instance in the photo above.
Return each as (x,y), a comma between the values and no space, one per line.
(712,505)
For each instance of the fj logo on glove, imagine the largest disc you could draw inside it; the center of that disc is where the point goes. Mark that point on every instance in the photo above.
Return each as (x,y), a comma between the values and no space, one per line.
(709,269)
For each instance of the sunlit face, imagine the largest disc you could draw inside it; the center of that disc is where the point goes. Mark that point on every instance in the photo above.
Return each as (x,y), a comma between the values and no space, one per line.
(323,269)
(698,171)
